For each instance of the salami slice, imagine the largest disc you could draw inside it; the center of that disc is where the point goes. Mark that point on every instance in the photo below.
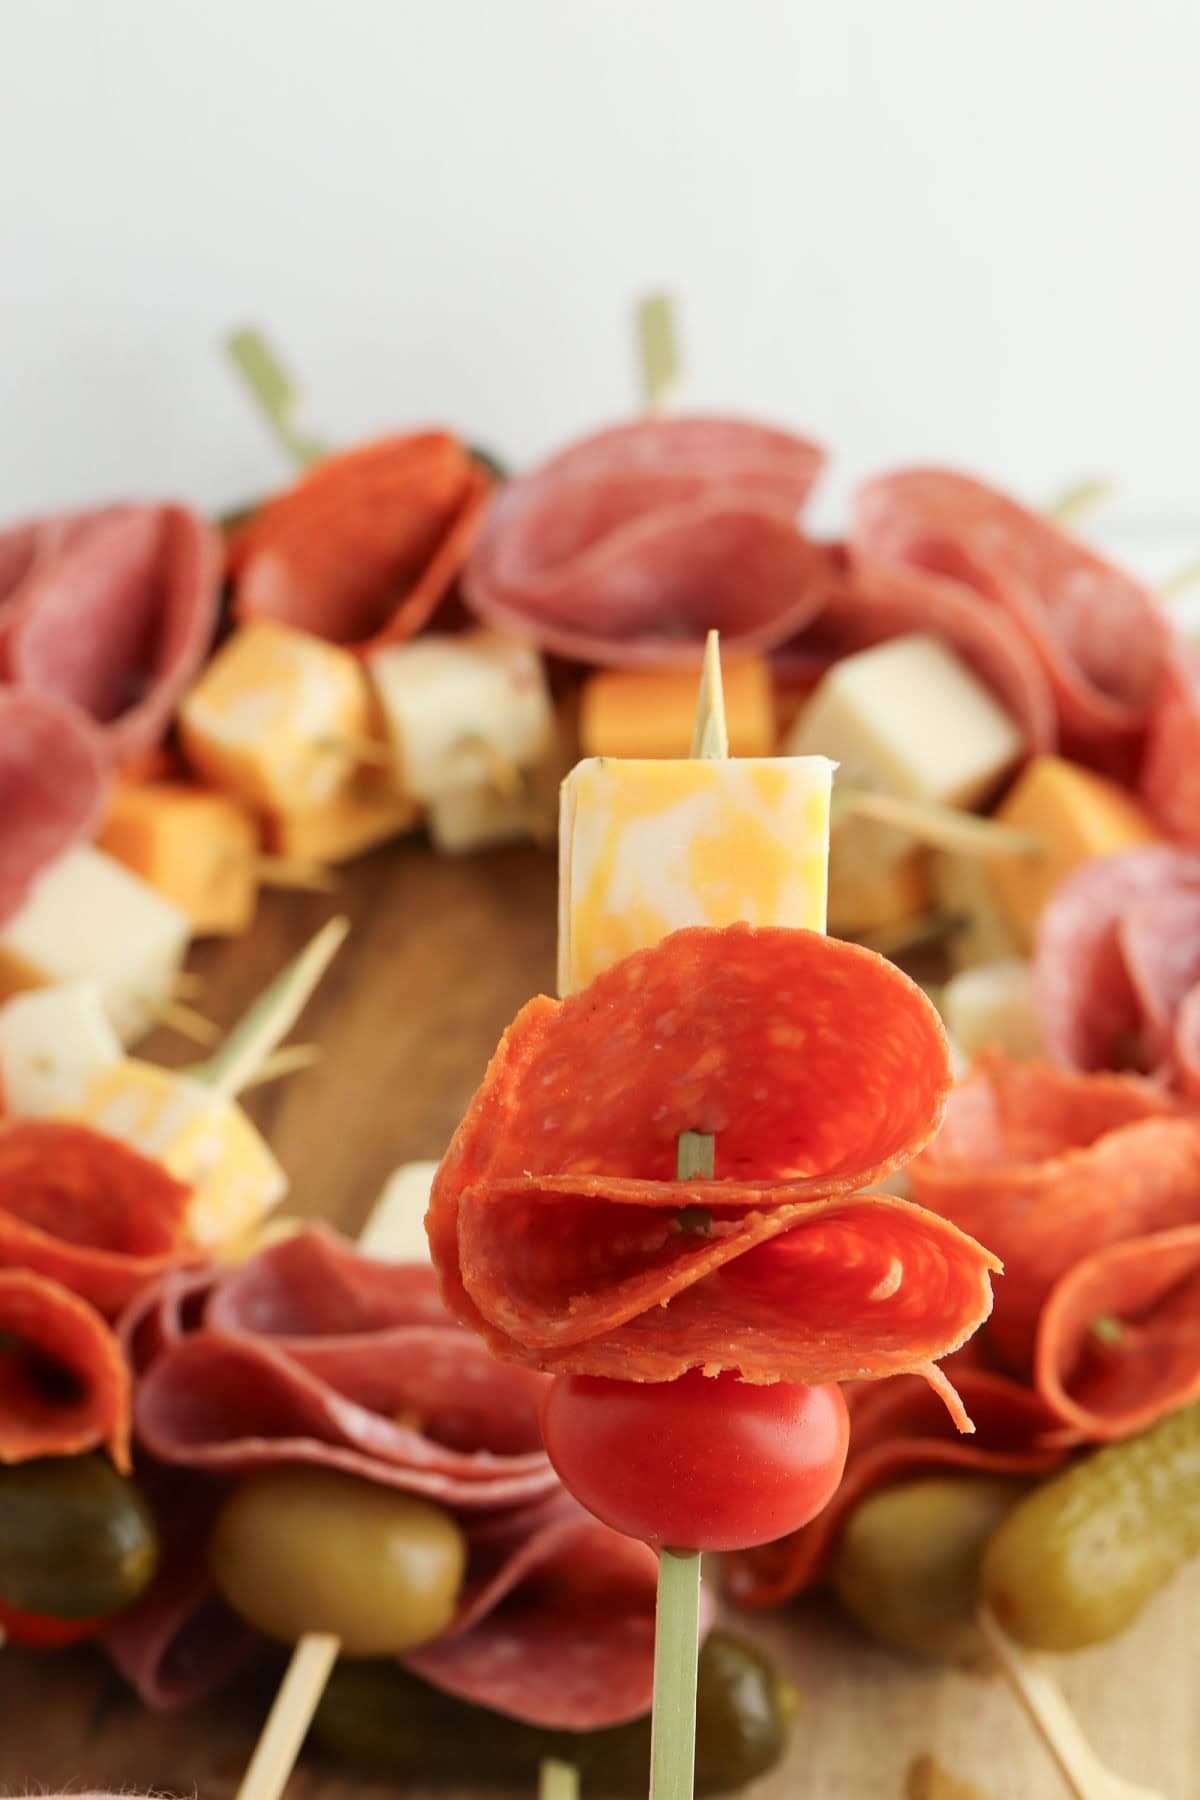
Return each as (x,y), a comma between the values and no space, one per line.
(1117,957)
(1050,1168)
(53,783)
(1169,780)
(364,546)
(628,547)
(561,1234)
(86,1211)
(1099,636)
(118,619)
(898,1432)
(64,1386)
(312,1353)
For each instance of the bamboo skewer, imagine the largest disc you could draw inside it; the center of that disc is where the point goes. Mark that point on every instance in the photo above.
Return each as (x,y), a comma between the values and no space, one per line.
(274,392)
(941,827)
(1080,501)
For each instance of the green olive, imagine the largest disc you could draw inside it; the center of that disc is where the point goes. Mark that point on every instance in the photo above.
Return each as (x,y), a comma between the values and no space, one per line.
(381,1718)
(906,1565)
(1078,1559)
(299,1549)
(77,1540)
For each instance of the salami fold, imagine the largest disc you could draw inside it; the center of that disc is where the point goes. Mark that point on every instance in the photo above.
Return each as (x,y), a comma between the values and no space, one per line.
(1098,635)
(1169,779)
(561,1234)
(629,546)
(53,783)
(64,1386)
(364,546)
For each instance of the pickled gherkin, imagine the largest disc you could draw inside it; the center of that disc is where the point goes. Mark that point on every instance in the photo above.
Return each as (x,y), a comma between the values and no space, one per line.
(77,1540)
(1077,1560)
(378,1716)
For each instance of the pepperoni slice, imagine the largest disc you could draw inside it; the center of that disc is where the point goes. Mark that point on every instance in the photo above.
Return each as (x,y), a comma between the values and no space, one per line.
(1099,636)
(364,546)
(53,784)
(561,1234)
(627,547)
(87,1211)
(899,1431)
(64,1385)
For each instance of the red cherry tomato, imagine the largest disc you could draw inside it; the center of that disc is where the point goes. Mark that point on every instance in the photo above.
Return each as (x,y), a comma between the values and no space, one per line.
(701,1463)
(38,1631)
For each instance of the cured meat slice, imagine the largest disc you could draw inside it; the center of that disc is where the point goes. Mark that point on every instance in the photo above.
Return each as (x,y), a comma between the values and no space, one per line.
(1118,1341)
(1100,636)
(364,546)
(312,1353)
(628,547)
(898,1432)
(53,784)
(1117,957)
(87,1211)
(1049,1168)
(1169,779)
(558,1628)
(118,618)
(64,1386)
(559,1230)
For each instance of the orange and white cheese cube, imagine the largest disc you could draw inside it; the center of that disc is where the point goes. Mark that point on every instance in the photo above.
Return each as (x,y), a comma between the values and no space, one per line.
(196,846)
(203,1138)
(278,717)
(53,1042)
(648,847)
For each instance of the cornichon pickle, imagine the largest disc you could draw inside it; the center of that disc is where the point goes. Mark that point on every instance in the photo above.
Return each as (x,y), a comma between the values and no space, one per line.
(381,1718)
(907,1561)
(77,1540)
(1078,1559)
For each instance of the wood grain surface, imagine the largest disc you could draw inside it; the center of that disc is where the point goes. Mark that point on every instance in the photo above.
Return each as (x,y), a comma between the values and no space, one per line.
(441,955)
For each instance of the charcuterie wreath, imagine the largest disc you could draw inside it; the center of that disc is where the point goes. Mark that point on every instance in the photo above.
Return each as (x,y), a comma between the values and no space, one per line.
(703,1282)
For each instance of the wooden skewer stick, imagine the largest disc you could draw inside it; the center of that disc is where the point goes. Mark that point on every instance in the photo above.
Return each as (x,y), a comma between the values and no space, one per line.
(941,827)
(182,1019)
(293,872)
(1181,581)
(558,1780)
(289,1059)
(274,392)
(658,352)
(1081,500)
(1056,1725)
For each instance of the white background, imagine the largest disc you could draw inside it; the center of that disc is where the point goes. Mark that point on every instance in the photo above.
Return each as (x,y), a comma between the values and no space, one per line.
(954,229)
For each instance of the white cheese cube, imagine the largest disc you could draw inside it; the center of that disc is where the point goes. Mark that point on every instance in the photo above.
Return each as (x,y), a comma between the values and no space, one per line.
(461,711)
(478,818)
(963,890)
(395,1231)
(993,1004)
(90,918)
(53,1042)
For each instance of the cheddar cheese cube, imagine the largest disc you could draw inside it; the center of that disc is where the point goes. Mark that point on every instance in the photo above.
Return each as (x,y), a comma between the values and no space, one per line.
(201,1136)
(645,713)
(992,1005)
(194,845)
(1075,815)
(647,847)
(53,1042)
(457,709)
(89,918)
(365,811)
(898,891)
(278,717)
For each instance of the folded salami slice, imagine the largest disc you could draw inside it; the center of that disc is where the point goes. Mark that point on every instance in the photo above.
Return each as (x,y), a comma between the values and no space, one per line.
(1099,635)
(53,783)
(1051,1168)
(1118,962)
(1118,1342)
(899,1432)
(118,618)
(312,1353)
(87,1211)
(1170,774)
(365,545)
(64,1385)
(561,1234)
(629,546)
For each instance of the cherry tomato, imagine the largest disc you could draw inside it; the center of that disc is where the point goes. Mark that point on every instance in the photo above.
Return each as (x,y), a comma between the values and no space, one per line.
(38,1631)
(702,1463)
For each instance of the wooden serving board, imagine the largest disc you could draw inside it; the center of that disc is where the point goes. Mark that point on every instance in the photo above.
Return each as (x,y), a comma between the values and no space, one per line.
(441,956)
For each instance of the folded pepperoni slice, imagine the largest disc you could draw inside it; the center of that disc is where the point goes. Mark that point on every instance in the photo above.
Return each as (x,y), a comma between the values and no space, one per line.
(1169,779)
(117,620)
(64,1384)
(561,1234)
(1048,1168)
(53,782)
(87,1211)
(629,546)
(1099,636)
(899,1432)
(363,547)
